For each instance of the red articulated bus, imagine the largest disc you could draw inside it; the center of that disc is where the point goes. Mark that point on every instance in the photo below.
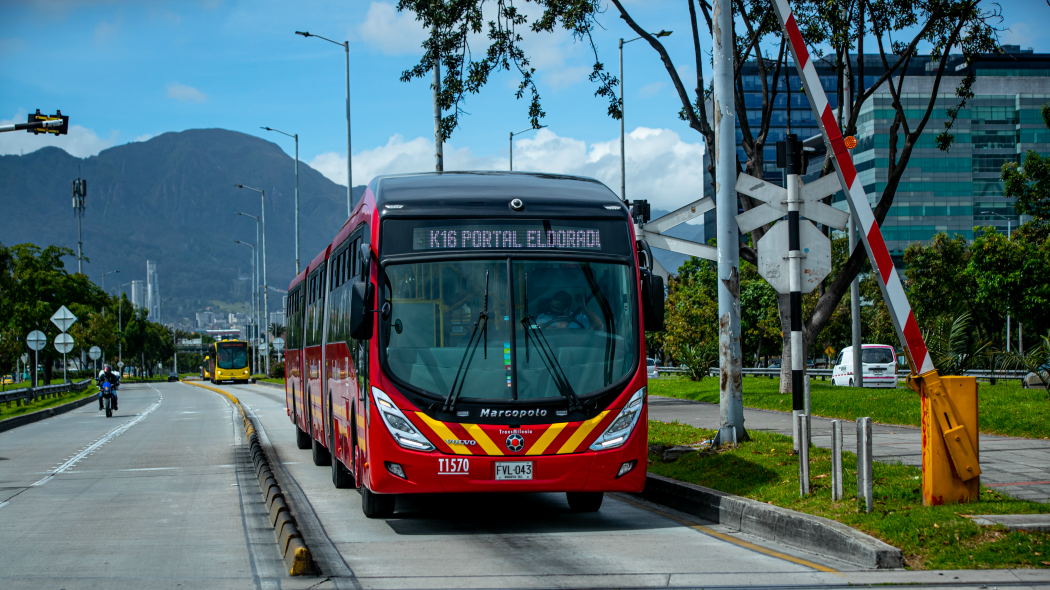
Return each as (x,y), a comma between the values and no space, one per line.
(476,332)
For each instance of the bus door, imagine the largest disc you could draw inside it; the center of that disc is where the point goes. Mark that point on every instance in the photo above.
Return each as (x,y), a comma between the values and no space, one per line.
(293,357)
(312,350)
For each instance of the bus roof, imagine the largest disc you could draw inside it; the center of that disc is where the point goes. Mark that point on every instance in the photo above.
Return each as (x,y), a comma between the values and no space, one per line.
(447,194)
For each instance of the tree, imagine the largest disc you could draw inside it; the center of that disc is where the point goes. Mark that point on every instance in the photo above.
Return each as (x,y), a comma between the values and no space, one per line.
(34,285)
(1030,183)
(944,25)
(692,311)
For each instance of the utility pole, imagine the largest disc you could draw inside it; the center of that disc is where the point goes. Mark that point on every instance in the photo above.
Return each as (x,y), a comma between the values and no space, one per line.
(79,192)
(623,160)
(731,396)
(439,157)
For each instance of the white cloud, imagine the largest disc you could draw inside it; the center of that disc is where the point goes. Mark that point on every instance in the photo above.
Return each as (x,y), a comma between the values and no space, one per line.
(651,90)
(184,93)
(80,142)
(660,166)
(1019,34)
(391,32)
(144,137)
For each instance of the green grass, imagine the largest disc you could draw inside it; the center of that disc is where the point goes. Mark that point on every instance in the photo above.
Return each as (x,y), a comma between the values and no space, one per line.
(269,379)
(937,537)
(40,404)
(1004,408)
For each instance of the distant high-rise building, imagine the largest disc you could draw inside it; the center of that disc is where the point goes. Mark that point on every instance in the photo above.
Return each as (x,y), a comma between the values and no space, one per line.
(138,295)
(152,291)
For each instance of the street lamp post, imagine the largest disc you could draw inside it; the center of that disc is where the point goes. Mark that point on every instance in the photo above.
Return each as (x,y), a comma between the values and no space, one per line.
(296,137)
(255,287)
(349,176)
(266,294)
(104,288)
(255,315)
(1009,226)
(120,329)
(623,159)
(512,134)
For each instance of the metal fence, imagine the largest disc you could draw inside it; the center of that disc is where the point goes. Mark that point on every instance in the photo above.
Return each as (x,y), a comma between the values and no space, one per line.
(826,373)
(27,395)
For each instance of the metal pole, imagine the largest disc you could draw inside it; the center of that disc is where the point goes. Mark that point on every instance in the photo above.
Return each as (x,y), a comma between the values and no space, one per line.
(865,489)
(439,157)
(803,457)
(1009,225)
(297,181)
(512,151)
(793,159)
(731,397)
(836,460)
(623,161)
(854,287)
(266,293)
(349,173)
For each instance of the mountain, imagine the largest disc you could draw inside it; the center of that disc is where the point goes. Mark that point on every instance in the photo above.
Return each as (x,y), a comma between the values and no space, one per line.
(172,199)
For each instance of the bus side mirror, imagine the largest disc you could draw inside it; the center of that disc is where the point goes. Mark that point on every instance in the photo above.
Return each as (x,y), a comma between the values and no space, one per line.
(361,312)
(652,301)
(366,260)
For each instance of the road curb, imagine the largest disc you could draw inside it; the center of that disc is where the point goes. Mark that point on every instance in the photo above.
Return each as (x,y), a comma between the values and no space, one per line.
(805,532)
(297,557)
(46,413)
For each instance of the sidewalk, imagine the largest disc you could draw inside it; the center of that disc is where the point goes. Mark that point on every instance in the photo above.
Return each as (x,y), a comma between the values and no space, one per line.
(1019,467)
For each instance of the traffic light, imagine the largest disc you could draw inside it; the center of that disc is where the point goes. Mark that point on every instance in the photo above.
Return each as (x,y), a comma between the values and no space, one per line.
(62,129)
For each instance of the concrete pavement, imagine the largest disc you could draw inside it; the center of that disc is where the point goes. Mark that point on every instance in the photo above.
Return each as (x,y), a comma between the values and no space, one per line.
(1019,467)
(160,496)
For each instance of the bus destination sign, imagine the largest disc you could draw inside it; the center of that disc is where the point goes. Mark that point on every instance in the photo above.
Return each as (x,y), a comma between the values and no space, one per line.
(476,237)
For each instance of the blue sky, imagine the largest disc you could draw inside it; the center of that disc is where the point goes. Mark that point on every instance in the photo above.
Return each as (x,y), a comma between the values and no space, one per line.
(126,71)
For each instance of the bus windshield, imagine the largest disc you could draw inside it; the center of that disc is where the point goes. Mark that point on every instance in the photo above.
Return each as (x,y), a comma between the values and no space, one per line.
(520,329)
(232,355)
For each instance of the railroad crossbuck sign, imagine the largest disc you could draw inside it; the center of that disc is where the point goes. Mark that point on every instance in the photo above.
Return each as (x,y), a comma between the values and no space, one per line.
(773,247)
(63,318)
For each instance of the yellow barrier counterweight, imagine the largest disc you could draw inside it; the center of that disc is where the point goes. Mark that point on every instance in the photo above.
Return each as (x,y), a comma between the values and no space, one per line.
(950,450)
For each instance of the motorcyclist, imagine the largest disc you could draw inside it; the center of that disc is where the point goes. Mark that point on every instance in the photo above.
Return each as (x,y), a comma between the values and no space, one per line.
(107,375)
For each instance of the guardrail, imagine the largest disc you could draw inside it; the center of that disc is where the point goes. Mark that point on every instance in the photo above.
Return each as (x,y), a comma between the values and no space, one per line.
(29,394)
(824,373)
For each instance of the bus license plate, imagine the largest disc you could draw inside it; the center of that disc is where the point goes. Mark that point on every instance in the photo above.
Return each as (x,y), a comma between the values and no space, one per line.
(515,470)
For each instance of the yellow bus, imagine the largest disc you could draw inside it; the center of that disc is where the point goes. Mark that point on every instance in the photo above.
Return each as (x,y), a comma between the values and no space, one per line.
(228,362)
(206,368)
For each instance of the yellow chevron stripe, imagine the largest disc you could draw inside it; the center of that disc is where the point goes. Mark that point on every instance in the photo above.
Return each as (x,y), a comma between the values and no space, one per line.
(443,433)
(547,438)
(581,433)
(483,439)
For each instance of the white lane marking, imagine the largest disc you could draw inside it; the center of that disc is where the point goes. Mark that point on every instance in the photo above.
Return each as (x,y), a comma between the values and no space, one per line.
(112,434)
(2,504)
(150,469)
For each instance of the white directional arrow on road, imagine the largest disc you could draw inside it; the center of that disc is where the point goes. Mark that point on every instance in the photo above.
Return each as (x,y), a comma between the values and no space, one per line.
(63,318)
(774,200)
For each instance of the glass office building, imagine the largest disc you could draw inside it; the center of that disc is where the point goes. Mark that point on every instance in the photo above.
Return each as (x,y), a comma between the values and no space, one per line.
(940,191)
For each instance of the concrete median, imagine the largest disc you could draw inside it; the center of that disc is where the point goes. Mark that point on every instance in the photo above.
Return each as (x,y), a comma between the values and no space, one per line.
(766,521)
(296,554)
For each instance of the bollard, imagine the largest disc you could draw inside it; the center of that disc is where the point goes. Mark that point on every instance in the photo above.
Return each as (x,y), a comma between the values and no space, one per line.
(865,491)
(836,460)
(803,456)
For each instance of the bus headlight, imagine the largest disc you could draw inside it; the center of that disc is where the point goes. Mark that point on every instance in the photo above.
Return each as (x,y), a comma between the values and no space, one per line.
(618,432)
(398,424)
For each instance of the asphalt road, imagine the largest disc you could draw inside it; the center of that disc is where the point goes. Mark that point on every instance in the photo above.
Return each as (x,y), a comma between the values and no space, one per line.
(163,496)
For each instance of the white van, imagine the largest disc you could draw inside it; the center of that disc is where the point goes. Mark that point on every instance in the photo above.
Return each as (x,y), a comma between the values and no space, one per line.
(880,366)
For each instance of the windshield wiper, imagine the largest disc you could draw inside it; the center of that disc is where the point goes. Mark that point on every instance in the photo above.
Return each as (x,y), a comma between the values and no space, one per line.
(468,354)
(550,361)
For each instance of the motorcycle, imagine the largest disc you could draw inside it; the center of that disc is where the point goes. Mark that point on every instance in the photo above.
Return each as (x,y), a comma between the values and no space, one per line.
(107,398)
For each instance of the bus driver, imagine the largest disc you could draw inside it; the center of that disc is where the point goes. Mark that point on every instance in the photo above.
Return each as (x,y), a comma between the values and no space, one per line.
(560,313)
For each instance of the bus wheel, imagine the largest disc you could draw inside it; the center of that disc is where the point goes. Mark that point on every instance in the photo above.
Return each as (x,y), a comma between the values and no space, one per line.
(376,505)
(302,440)
(341,476)
(585,501)
(321,455)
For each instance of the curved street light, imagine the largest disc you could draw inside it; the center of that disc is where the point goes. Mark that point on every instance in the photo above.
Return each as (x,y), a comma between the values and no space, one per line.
(512,134)
(349,177)
(623,158)
(296,137)
(262,222)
